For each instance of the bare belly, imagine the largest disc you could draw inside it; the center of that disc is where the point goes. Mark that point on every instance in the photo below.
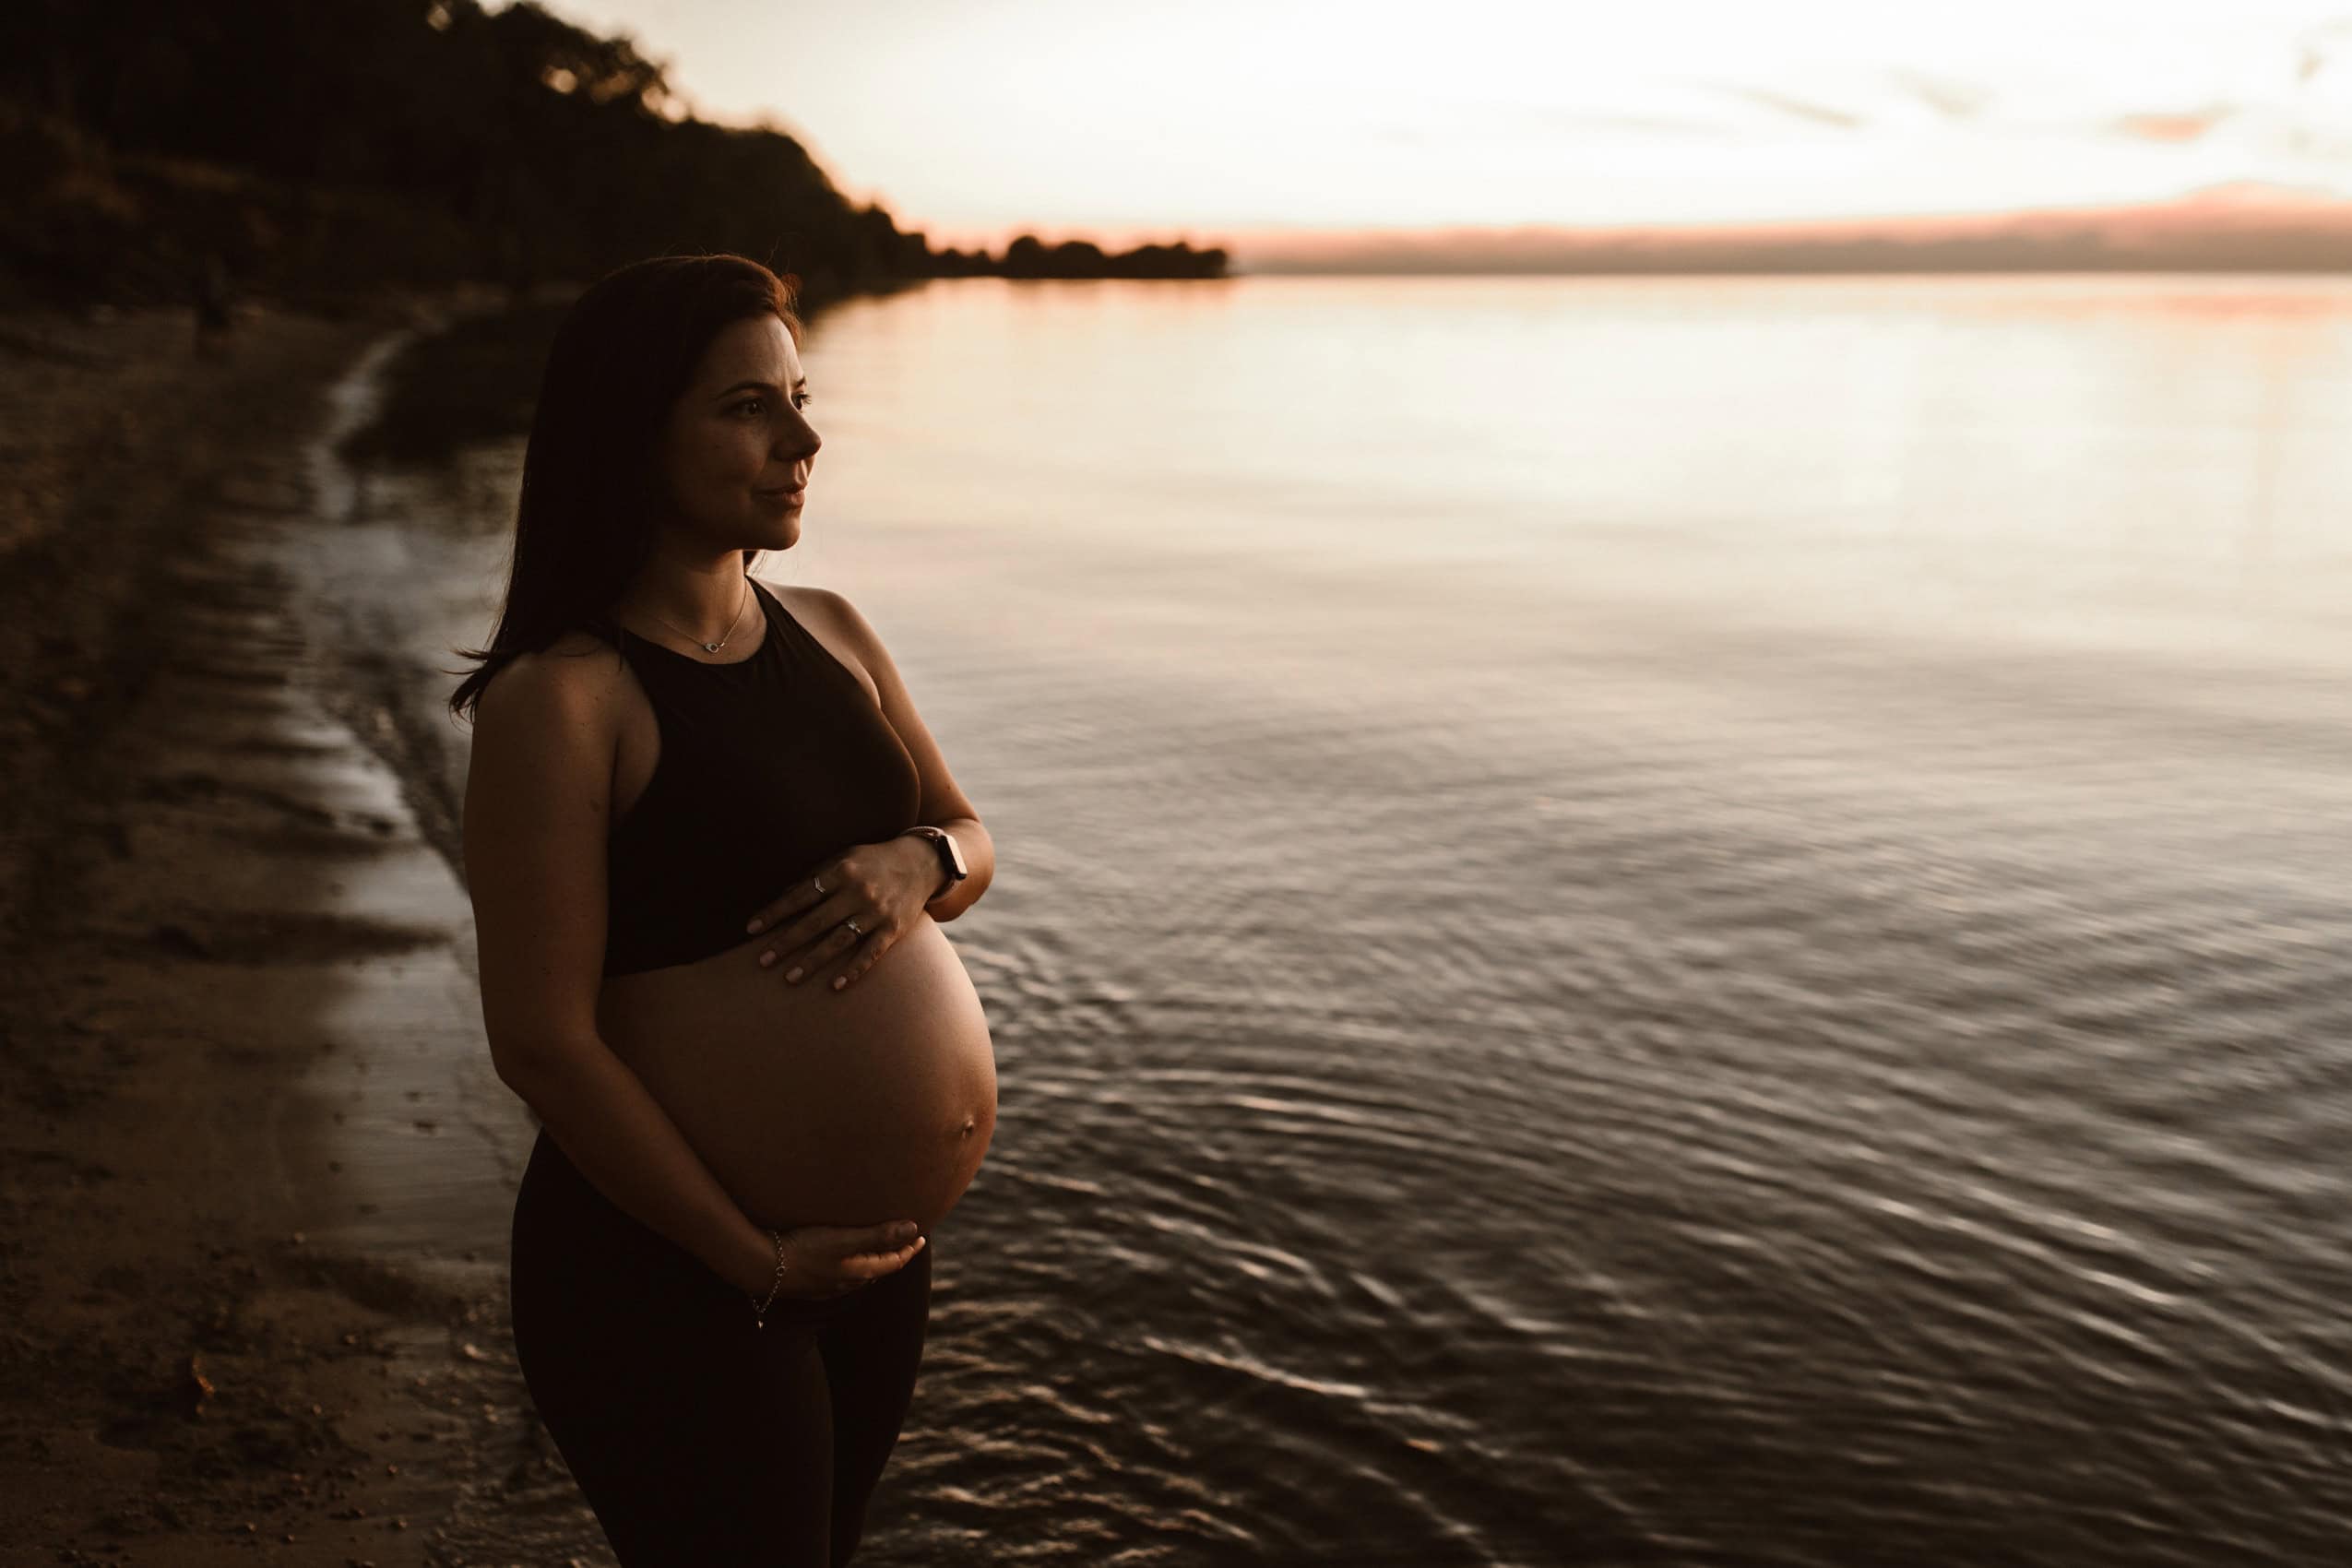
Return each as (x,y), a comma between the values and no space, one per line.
(814,1106)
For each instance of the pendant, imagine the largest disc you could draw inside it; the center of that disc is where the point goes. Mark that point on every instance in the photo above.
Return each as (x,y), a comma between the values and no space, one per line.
(710,647)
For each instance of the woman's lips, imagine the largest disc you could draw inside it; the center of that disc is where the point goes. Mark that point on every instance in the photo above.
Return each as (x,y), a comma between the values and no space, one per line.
(790,497)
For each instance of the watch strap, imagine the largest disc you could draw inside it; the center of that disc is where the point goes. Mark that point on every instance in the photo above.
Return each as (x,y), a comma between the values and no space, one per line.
(946,848)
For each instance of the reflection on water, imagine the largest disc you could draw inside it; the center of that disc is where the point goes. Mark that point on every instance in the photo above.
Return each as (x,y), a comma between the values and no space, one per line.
(1667,921)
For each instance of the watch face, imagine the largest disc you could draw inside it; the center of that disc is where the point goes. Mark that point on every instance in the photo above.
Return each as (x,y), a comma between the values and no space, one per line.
(955,854)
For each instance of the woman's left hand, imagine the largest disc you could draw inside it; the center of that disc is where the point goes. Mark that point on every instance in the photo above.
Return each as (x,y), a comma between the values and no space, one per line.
(880,886)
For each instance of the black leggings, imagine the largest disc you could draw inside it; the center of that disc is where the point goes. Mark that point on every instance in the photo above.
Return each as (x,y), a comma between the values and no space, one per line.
(700,1440)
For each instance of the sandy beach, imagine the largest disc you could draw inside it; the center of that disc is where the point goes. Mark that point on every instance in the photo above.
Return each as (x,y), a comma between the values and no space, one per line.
(238,972)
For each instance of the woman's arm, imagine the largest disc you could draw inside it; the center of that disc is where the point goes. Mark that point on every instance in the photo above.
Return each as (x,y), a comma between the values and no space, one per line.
(538,795)
(944,804)
(600,1114)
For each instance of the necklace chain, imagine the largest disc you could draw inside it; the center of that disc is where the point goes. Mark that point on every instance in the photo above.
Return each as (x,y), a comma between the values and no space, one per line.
(714,647)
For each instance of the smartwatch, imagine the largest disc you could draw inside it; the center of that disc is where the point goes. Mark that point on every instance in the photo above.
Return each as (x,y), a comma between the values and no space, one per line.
(950,858)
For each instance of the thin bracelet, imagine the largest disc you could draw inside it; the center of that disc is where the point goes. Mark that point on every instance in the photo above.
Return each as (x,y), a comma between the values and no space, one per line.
(759,1308)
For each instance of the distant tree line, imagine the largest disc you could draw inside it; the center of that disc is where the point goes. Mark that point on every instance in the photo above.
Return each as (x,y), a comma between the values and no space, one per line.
(417,141)
(1028,257)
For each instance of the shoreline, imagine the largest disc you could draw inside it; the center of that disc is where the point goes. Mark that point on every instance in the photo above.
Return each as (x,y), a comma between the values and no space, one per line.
(251,1318)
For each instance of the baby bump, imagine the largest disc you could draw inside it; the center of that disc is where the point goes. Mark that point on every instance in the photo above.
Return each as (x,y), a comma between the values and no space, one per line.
(817,1106)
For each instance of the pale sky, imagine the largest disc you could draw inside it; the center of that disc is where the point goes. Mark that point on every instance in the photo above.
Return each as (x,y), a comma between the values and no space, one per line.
(1123,121)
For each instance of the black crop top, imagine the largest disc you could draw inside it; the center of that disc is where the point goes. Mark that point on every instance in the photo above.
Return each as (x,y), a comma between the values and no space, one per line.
(768,766)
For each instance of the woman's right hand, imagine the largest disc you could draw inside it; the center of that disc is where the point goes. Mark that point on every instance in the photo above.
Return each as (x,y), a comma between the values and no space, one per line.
(824,1260)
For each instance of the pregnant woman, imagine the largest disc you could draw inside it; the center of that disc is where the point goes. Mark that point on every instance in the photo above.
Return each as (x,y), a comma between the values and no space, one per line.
(709,846)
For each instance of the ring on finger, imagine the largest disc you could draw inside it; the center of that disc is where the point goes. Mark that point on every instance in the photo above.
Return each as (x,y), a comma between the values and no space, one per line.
(852,923)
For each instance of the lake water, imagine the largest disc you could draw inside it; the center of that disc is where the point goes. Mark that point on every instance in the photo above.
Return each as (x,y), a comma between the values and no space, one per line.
(1669,920)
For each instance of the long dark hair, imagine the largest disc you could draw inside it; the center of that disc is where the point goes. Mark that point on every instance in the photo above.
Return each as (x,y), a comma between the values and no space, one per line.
(593,491)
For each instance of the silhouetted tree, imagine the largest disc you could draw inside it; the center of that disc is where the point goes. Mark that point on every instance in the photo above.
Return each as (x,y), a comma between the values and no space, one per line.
(417,140)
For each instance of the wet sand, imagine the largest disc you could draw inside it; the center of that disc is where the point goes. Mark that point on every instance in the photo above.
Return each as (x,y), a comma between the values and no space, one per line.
(241,1323)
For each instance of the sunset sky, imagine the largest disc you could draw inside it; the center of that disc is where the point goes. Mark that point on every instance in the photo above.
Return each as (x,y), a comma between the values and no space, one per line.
(1129,120)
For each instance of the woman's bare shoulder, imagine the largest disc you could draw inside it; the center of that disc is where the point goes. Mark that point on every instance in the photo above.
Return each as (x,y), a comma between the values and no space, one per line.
(578,672)
(835,622)
(797,597)
(828,607)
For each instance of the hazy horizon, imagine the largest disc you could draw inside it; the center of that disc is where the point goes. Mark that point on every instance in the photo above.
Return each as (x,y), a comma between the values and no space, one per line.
(2243,226)
(1221,123)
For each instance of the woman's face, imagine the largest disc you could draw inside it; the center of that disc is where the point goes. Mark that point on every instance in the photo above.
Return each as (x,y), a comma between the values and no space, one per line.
(737,437)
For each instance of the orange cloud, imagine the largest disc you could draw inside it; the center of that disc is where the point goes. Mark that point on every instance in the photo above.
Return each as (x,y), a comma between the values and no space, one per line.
(2177,126)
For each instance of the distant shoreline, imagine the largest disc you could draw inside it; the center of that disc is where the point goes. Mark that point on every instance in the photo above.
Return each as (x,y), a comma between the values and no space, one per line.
(1809,269)
(2238,228)
(1827,270)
